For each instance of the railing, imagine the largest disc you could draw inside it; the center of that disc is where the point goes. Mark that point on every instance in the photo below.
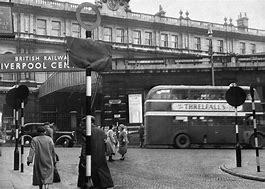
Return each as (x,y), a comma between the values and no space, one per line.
(51,4)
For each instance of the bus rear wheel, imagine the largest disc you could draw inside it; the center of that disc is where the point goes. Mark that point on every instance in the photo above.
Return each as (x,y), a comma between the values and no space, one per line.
(182,141)
(260,141)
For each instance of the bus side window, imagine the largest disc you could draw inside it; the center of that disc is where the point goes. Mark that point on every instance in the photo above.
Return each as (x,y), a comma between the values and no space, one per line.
(248,97)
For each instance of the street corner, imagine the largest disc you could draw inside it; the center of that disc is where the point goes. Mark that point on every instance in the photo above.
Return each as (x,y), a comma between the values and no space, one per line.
(244,172)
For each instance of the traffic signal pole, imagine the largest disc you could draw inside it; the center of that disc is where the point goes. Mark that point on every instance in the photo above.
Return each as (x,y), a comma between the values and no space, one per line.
(238,148)
(22,137)
(236,96)
(16,152)
(255,127)
(88,179)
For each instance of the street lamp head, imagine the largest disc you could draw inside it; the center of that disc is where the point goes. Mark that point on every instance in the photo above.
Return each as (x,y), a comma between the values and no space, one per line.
(210,30)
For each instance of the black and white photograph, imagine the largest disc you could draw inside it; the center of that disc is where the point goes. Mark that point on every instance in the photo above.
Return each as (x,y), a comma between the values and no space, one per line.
(132,94)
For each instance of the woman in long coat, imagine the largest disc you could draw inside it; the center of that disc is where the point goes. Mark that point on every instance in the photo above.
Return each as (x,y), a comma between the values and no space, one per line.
(123,141)
(42,151)
(110,143)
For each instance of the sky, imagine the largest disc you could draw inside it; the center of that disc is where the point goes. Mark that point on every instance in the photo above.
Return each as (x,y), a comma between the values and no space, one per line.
(202,10)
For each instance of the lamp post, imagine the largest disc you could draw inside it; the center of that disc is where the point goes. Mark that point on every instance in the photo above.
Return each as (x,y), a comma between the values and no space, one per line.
(210,35)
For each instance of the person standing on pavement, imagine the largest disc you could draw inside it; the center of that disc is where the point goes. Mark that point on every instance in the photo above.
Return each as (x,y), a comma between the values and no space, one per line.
(43,154)
(141,135)
(100,172)
(123,141)
(110,143)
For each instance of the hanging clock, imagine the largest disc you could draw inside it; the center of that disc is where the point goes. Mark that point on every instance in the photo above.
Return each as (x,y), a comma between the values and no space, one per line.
(113,4)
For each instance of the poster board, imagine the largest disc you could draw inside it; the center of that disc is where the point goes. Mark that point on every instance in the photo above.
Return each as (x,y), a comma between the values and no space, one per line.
(135,108)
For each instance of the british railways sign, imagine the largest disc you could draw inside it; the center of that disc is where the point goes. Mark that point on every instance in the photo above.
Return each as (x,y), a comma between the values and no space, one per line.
(35,62)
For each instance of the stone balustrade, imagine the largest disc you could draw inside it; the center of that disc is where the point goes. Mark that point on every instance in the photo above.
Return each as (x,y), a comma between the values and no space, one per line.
(51,4)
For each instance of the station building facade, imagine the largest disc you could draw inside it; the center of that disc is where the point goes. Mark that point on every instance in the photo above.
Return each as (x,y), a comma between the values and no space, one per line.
(143,46)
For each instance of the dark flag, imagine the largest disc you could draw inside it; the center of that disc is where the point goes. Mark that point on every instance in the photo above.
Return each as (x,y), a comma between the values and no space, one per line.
(87,53)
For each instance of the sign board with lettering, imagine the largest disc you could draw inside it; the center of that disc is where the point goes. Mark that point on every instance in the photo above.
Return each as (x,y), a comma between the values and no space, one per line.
(41,62)
(6,21)
(115,101)
(203,107)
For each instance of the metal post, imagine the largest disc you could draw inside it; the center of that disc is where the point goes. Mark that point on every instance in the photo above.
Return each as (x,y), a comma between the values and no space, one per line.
(22,137)
(16,152)
(238,148)
(88,124)
(210,34)
(255,128)
(212,68)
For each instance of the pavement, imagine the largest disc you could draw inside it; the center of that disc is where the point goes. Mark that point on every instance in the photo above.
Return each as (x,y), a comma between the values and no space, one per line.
(15,179)
(246,171)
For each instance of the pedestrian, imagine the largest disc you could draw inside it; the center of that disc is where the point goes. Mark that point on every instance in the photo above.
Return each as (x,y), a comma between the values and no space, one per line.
(110,143)
(48,129)
(43,154)
(2,140)
(141,135)
(100,173)
(123,141)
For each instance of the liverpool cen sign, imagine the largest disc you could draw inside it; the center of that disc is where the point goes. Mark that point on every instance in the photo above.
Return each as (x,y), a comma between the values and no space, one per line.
(35,62)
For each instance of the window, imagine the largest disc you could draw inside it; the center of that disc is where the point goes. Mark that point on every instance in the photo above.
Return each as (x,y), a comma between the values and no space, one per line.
(76,30)
(197,94)
(27,76)
(56,28)
(107,34)
(41,27)
(136,37)
(253,48)
(230,46)
(197,43)
(161,94)
(26,23)
(186,42)
(164,40)
(209,45)
(148,38)
(242,48)
(8,76)
(220,45)
(174,41)
(120,36)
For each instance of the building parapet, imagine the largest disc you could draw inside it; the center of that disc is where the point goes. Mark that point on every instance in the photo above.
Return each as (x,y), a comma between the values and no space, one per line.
(249,62)
(51,4)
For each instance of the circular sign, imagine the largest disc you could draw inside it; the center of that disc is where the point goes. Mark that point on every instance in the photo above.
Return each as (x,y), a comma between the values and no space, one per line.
(235,96)
(90,25)
(113,4)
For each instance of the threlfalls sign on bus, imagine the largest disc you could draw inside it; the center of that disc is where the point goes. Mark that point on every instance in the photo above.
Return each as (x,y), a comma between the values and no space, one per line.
(206,106)
(37,62)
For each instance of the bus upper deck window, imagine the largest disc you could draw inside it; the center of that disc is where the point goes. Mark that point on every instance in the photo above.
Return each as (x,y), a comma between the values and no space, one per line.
(161,94)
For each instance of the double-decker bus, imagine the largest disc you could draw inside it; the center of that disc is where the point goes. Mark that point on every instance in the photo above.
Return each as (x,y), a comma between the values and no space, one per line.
(184,115)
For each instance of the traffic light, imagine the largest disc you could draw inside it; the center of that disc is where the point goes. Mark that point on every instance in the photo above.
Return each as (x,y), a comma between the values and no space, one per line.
(16,95)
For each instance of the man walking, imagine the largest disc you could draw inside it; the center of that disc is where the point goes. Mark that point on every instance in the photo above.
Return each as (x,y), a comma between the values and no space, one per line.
(100,172)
